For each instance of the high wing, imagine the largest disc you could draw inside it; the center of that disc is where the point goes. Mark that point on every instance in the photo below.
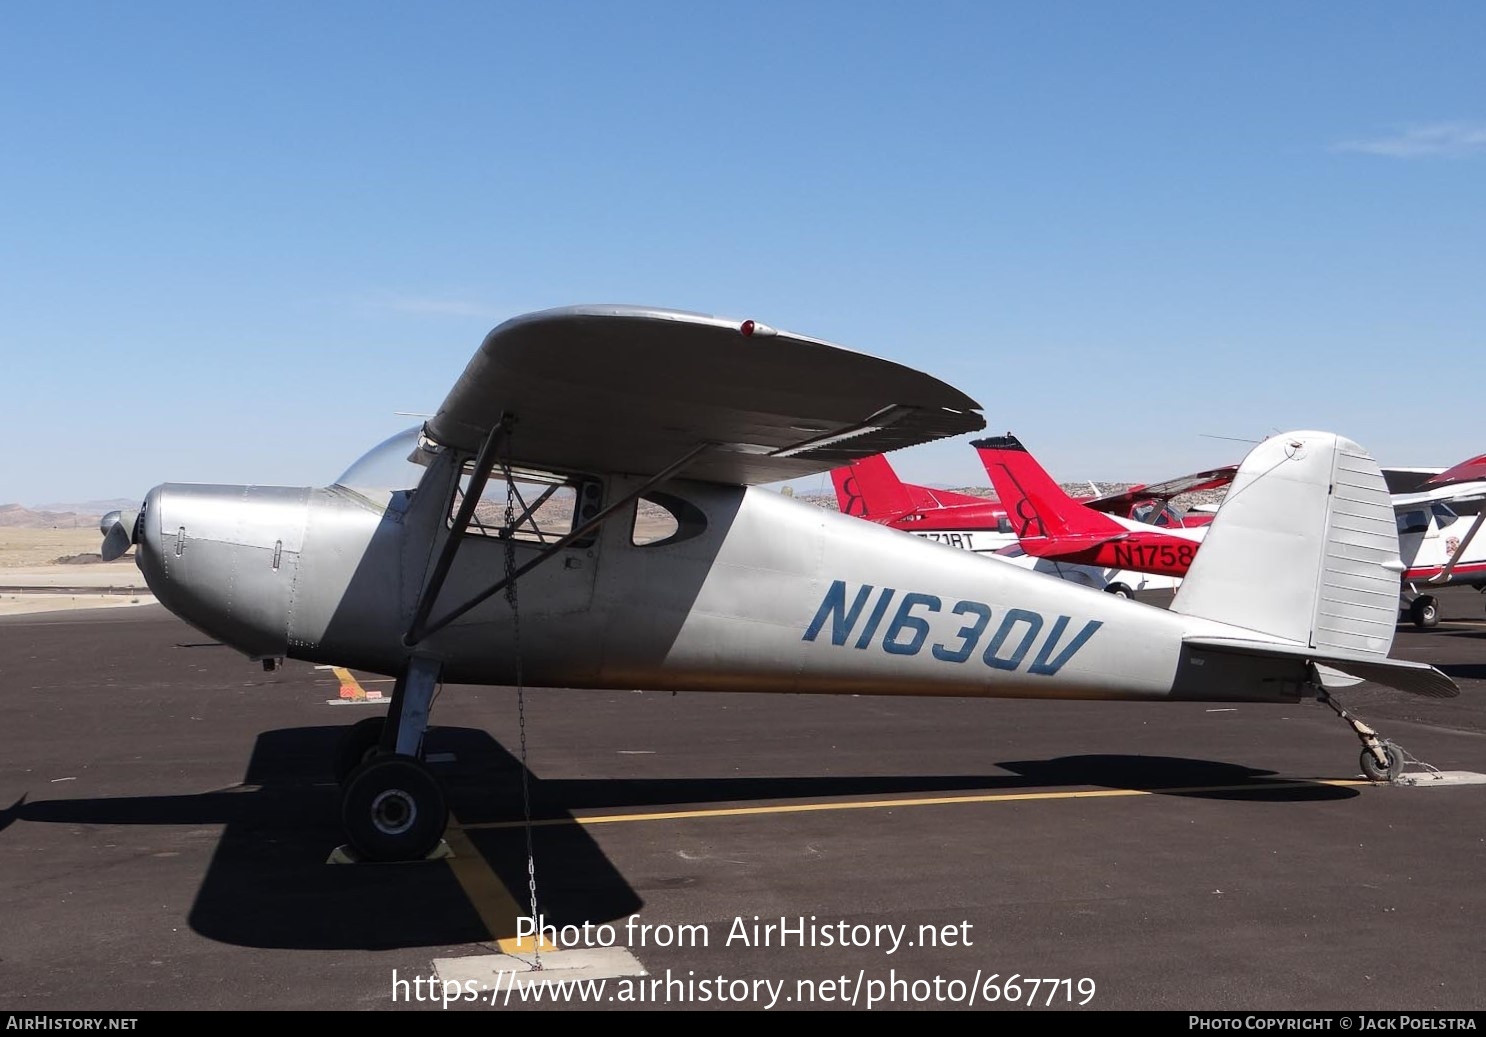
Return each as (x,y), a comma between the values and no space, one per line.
(1464,497)
(1407,480)
(1472,469)
(1120,503)
(632,389)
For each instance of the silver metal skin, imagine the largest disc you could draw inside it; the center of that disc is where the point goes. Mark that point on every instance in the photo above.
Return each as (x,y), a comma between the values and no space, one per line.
(730,608)
(754,591)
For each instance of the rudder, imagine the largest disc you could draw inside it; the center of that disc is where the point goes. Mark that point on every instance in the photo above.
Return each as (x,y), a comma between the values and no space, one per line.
(1304,548)
(1035,503)
(869,488)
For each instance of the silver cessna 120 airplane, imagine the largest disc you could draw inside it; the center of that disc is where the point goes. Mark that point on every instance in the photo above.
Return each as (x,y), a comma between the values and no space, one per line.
(585,510)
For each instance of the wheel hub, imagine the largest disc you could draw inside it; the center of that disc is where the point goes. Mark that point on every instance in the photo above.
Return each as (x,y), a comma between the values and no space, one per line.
(393,812)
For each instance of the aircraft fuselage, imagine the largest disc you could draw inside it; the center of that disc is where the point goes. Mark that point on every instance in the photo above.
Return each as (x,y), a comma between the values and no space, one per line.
(767,594)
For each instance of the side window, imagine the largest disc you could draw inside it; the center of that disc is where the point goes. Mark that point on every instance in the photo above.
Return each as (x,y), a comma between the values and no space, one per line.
(1443,516)
(1003,525)
(662,519)
(1416,521)
(544,506)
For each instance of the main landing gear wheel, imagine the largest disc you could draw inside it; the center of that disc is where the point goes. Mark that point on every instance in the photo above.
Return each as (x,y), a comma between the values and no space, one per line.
(393,810)
(358,743)
(1375,771)
(1425,612)
(1119,590)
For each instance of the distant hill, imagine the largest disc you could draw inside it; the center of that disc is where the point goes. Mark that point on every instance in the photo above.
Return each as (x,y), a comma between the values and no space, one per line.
(79,515)
(91,507)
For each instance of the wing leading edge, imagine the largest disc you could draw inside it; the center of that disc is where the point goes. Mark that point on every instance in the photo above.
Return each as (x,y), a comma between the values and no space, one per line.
(629,389)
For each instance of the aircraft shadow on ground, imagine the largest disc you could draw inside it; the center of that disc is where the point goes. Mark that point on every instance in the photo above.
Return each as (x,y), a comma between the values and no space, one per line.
(1475,634)
(1175,776)
(268,884)
(1159,774)
(1463,671)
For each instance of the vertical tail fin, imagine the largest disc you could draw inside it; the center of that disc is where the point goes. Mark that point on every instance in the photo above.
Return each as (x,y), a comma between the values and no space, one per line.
(1304,548)
(1037,505)
(870,489)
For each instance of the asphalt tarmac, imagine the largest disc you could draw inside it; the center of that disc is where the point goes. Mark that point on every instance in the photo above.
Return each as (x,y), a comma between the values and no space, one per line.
(167,810)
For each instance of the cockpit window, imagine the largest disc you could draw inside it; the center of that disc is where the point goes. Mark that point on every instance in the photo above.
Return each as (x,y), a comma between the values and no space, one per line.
(661,518)
(1154,513)
(1415,521)
(1443,516)
(541,507)
(387,472)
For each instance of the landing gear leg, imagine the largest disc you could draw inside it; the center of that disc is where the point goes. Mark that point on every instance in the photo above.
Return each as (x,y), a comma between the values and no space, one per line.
(392,808)
(1381,760)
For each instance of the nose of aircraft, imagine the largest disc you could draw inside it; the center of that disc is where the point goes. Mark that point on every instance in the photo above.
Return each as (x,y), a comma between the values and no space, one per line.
(223,558)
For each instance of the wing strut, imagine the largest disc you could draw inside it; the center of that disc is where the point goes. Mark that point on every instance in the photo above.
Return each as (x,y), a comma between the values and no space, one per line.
(484,461)
(1443,575)
(421,629)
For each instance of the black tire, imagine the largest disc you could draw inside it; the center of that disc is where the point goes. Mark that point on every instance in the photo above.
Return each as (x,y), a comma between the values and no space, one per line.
(393,810)
(1425,612)
(1375,771)
(1119,590)
(358,743)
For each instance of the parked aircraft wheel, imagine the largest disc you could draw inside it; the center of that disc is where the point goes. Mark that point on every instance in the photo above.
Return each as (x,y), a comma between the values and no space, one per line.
(393,810)
(357,745)
(1376,771)
(1425,611)
(1119,590)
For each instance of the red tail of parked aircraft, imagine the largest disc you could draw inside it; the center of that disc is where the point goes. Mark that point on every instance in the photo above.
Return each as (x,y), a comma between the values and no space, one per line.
(870,489)
(1050,524)
(1037,505)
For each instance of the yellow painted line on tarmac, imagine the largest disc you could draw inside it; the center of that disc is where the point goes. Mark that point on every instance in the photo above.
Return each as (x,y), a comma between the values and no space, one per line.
(936,801)
(350,687)
(487,894)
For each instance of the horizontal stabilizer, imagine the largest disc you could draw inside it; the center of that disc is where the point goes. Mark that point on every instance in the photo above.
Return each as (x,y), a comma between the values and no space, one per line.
(1414,678)
(1066,546)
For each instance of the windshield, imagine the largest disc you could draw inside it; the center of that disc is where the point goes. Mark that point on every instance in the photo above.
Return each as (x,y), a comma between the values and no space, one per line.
(1154,513)
(384,471)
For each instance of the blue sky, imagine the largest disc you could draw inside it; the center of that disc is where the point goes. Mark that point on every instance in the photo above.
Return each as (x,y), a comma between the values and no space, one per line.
(237,238)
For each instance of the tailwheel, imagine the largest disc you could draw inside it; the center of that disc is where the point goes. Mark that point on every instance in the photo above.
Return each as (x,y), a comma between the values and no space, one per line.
(1377,770)
(358,743)
(1381,760)
(393,810)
